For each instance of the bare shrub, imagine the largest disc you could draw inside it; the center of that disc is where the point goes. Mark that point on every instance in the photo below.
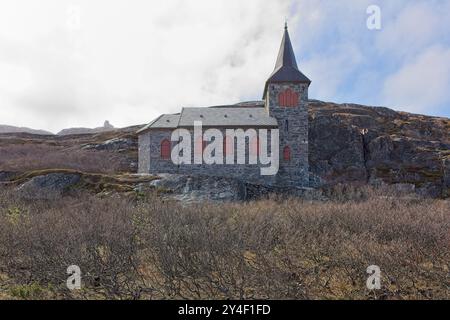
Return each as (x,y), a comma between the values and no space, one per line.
(25,157)
(277,249)
(40,240)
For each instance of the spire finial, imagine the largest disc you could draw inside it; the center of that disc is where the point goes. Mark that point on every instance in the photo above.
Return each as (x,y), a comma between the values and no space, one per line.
(285,24)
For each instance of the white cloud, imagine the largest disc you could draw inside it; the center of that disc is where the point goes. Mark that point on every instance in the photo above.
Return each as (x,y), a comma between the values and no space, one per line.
(330,71)
(418,25)
(348,62)
(130,61)
(421,84)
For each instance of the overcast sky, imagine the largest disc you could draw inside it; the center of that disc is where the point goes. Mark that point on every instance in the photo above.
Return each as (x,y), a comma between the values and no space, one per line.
(80,62)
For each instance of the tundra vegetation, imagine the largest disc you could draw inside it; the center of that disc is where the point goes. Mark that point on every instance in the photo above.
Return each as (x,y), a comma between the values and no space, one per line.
(144,247)
(137,244)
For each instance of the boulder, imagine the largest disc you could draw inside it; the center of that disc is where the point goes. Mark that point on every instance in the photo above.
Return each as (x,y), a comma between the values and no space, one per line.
(115,144)
(336,150)
(380,149)
(192,189)
(446,177)
(188,188)
(49,186)
(6,176)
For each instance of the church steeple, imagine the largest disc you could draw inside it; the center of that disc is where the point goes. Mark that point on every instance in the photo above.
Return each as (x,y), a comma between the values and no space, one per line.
(286,69)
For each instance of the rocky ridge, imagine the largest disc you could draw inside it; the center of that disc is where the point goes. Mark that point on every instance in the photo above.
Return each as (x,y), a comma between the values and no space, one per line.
(349,144)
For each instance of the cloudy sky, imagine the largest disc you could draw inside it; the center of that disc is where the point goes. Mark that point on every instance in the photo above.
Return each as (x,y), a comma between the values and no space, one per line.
(77,63)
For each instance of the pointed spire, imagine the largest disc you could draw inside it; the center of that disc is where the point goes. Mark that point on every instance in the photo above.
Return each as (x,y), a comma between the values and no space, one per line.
(286,55)
(286,69)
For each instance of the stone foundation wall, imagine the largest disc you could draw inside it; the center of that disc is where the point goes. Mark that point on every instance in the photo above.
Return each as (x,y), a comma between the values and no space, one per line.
(150,160)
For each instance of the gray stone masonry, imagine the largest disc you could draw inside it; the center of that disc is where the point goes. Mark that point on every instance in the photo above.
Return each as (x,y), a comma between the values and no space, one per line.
(294,133)
(293,130)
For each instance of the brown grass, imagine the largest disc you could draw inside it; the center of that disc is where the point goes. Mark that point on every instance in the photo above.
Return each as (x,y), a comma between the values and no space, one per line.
(25,157)
(277,249)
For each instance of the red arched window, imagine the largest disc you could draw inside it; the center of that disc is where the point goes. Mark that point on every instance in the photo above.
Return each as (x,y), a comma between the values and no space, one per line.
(165,149)
(200,145)
(288,98)
(224,146)
(254,146)
(287,154)
(227,145)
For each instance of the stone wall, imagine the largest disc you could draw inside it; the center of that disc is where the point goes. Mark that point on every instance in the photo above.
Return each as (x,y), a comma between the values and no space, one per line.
(144,153)
(150,160)
(291,173)
(296,171)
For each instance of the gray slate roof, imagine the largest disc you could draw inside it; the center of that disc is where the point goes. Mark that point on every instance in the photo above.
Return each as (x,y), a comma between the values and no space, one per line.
(227,117)
(286,69)
(165,121)
(240,115)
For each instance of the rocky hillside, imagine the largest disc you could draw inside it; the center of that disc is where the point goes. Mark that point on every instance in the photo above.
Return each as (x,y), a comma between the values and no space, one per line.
(13,129)
(348,144)
(70,131)
(354,143)
(106,152)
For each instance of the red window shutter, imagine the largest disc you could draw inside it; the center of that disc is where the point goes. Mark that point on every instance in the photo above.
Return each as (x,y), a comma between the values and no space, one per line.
(198,146)
(281,99)
(224,152)
(227,145)
(288,98)
(287,154)
(257,146)
(254,146)
(165,149)
(295,100)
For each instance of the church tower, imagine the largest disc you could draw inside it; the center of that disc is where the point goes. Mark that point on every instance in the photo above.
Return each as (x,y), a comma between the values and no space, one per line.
(286,99)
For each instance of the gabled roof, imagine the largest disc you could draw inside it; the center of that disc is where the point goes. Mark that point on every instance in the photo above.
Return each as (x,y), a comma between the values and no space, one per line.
(227,117)
(241,115)
(286,69)
(164,121)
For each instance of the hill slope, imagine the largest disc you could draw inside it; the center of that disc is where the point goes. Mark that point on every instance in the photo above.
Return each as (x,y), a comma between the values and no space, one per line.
(12,129)
(348,144)
(354,143)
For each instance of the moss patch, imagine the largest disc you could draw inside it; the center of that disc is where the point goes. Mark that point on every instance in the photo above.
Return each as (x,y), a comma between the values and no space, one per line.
(95,182)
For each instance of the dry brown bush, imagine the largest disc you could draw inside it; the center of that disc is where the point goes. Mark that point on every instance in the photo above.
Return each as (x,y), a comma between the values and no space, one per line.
(277,249)
(25,157)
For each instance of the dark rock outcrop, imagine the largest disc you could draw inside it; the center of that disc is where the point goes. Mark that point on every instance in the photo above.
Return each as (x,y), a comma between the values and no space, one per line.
(49,186)
(195,188)
(348,144)
(6,176)
(446,177)
(359,144)
(199,188)
(115,144)
(70,131)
